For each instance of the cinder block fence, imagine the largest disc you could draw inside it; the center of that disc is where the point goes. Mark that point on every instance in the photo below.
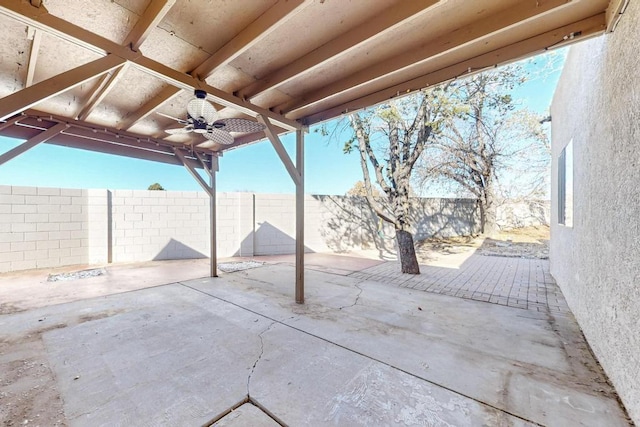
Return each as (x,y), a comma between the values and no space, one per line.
(48,227)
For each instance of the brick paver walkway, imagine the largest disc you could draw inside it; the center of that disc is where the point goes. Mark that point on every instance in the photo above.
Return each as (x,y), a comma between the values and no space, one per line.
(513,282)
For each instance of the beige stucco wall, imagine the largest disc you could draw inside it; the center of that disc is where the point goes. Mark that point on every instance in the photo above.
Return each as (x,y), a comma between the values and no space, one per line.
(597,261)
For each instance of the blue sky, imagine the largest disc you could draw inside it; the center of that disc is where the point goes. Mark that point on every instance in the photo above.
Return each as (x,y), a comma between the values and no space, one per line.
(254,168)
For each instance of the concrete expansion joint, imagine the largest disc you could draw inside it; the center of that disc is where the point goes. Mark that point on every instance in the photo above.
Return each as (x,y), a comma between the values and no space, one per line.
(352,350)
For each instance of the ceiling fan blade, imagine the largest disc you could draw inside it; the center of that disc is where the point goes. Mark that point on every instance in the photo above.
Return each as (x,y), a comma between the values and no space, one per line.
(184,122)
(201,109)
(207,144)
(219,136)
(178,131)
(238,125)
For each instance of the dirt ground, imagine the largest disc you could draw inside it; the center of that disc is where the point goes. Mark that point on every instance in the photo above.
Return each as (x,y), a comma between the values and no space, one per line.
(28,393)
(527,242)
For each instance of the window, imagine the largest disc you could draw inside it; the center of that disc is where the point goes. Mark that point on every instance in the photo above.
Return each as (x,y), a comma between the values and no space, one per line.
(565,186)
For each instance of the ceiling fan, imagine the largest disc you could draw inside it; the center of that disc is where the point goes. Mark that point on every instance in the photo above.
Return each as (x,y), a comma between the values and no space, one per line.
(202,118)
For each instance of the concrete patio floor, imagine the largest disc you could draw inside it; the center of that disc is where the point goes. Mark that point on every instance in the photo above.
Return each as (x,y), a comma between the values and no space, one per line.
(158,344)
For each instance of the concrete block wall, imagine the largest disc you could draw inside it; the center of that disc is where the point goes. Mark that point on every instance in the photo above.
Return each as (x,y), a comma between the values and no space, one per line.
(596,261)
(275,224)
(98,230)
(524,213)
(235,224)
(155,225)
(42,227)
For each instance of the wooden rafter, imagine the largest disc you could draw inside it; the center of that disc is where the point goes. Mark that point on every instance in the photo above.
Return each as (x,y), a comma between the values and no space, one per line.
(255,32)
(538,44)
(252,34)
(26,98)
(73,33)
(33,56)
(154,13)
(479,30)
(614,11)
(380,25)
(106,83)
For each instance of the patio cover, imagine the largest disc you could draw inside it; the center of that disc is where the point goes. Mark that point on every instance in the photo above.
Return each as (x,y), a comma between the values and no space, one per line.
(92,74)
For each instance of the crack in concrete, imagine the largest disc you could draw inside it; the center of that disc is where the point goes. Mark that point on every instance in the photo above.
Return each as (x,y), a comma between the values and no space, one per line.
(355,351)
(357,298)
(258,359)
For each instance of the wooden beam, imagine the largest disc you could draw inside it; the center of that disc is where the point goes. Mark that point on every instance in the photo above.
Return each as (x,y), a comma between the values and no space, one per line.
(33,57)
(185,81)
(10,122)
(104,86)
(270,131)
(213,217)
(614,12)
(39,18)
(344,43)
(104,135)
(194,173)
(32,142)
(532,46)
(153,14)
(447,43)
(274,17)
(207,167)
(85,139)
(26,98)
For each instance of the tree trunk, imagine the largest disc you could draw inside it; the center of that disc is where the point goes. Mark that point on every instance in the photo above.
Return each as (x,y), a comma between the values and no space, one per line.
(407,252)
(488,215)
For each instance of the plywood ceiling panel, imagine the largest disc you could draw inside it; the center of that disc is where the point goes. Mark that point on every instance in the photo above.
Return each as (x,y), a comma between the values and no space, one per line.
(208,25)
(15,56)
(295,62)
(110,19)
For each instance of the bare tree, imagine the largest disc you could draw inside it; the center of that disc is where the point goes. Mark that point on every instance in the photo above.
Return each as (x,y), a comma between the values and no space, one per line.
(391,139)
(485,139)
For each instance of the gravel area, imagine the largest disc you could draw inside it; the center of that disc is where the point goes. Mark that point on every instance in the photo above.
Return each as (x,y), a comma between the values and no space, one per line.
(230,267)
(82,274)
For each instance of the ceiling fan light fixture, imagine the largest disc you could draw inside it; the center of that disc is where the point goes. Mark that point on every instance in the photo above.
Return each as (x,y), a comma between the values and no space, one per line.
(202,119)
(201,109)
